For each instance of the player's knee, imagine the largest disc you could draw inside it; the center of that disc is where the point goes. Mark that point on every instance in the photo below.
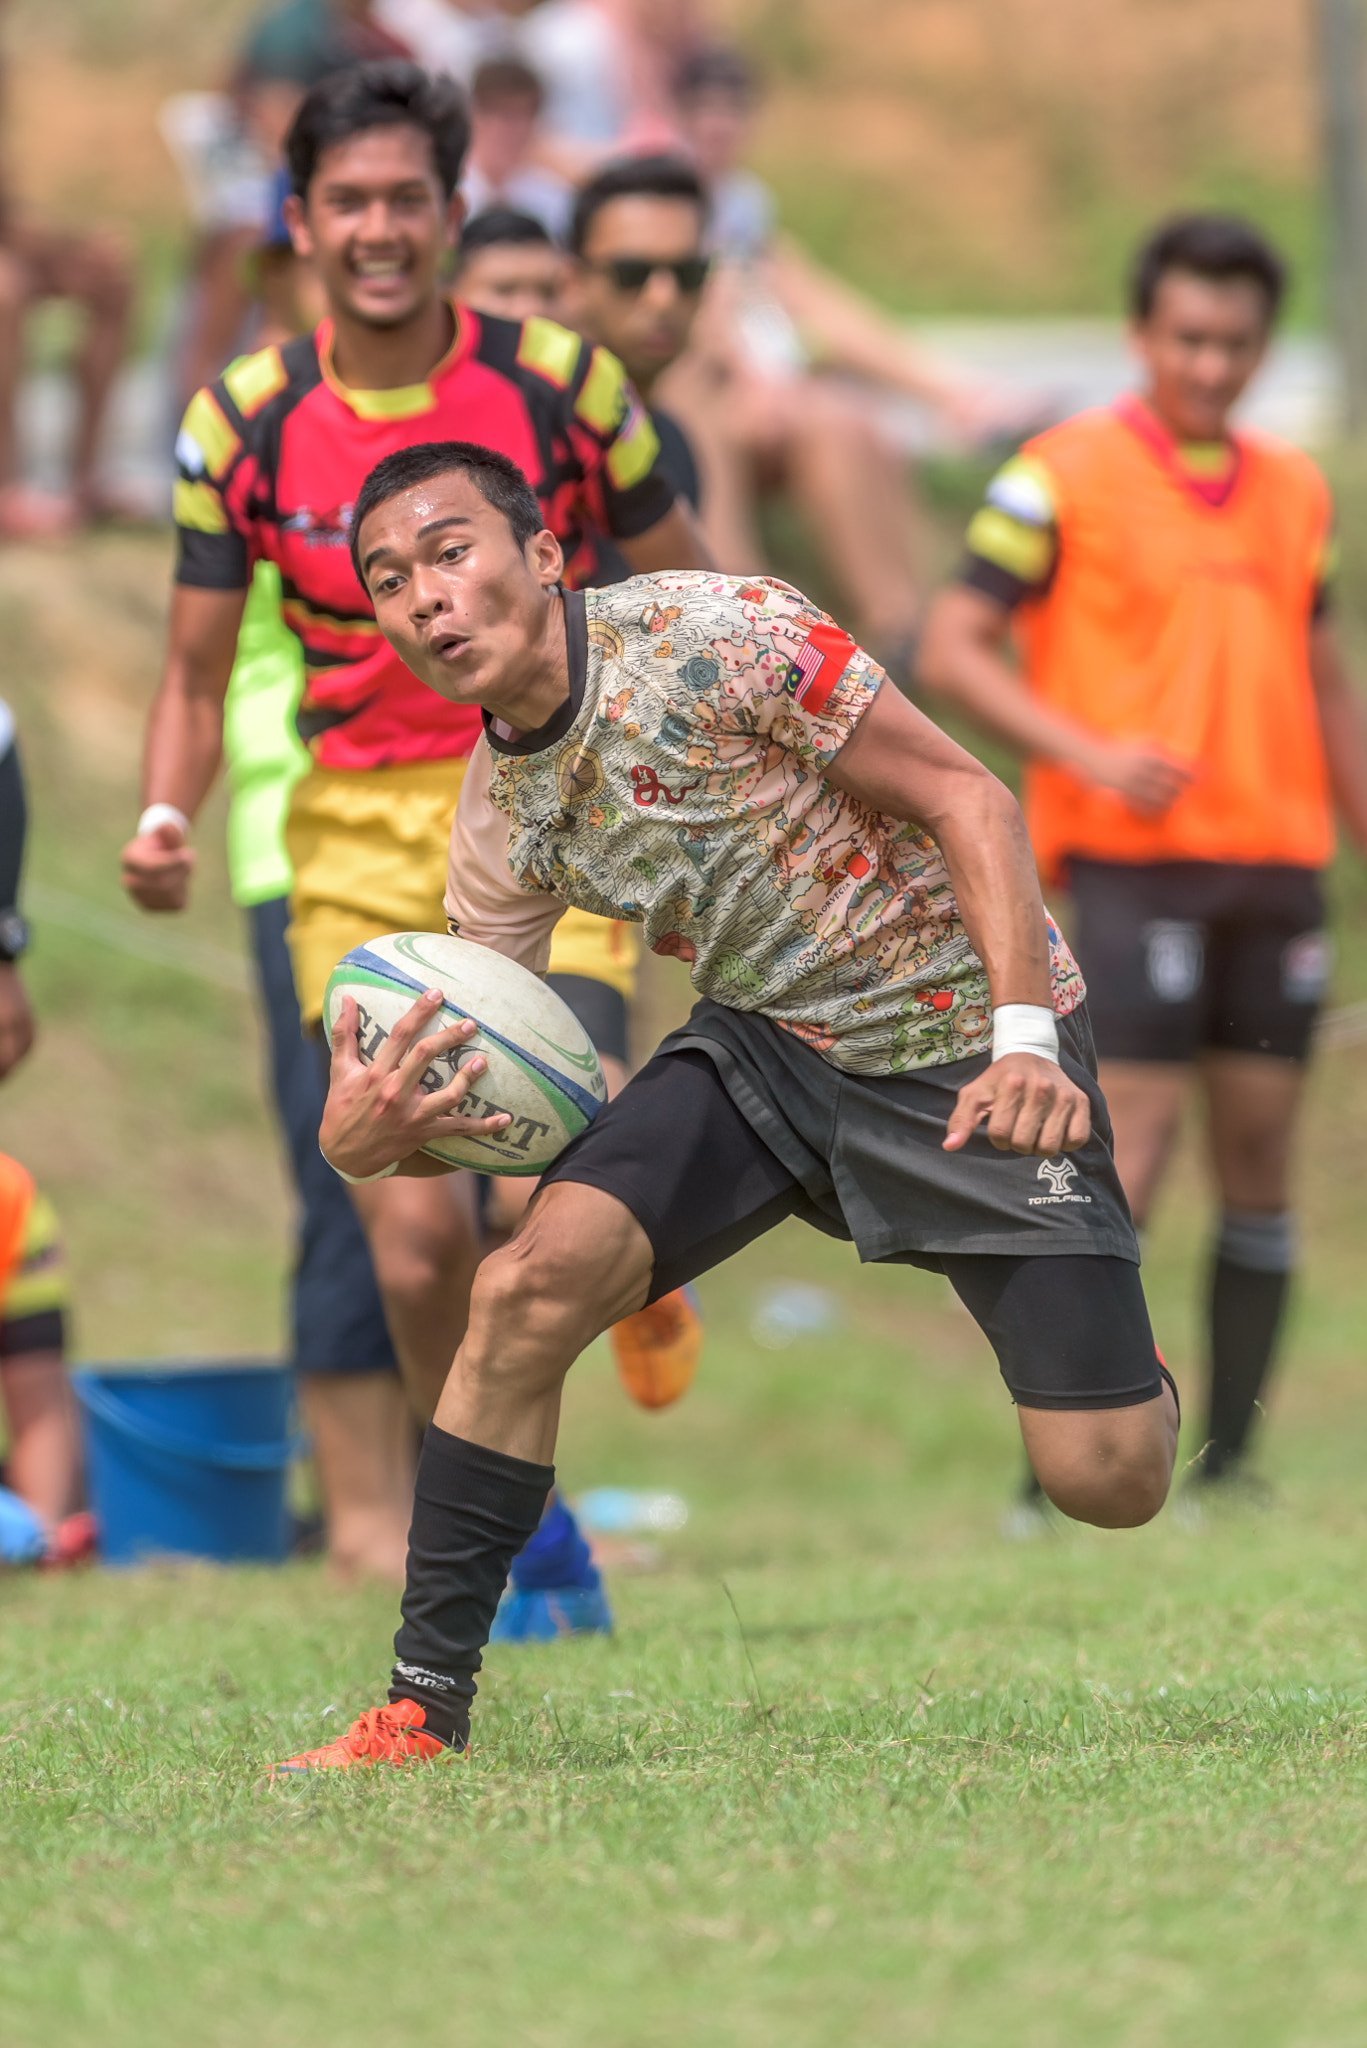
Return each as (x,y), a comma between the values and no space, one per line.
(419,1269)
(1111,1471)
(529,1282)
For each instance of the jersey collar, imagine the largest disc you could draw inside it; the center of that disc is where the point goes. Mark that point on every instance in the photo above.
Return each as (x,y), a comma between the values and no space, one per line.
(402,401)
(1215,490)
(559,723)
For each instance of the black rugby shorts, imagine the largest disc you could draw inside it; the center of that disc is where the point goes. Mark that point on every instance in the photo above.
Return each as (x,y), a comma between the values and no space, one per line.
(1184,956)
(1068,1323)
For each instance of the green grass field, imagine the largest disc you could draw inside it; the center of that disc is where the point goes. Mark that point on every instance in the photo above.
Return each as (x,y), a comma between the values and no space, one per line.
(853,1769)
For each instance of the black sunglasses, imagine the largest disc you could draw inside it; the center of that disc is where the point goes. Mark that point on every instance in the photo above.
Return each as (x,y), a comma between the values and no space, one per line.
(633,273)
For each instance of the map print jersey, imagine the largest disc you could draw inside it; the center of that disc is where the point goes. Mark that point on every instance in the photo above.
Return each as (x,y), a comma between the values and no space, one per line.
(685,789)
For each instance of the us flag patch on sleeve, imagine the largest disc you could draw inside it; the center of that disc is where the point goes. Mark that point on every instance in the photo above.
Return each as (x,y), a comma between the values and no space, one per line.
(818,666)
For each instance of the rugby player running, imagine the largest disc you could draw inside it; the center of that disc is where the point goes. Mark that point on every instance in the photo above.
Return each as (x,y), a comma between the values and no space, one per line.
(271,459)
(891,1040)
(1189,727)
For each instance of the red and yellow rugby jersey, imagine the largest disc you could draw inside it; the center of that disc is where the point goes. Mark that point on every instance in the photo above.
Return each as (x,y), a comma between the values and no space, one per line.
(270,459)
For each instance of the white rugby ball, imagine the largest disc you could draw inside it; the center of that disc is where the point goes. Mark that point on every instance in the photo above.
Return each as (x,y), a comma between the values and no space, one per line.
(542,1068)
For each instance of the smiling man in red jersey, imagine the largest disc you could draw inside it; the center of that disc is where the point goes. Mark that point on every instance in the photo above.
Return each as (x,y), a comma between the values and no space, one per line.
(271,458)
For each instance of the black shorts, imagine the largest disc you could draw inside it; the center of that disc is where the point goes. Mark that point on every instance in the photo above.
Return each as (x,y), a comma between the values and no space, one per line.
(1041,1252)
(1183,955)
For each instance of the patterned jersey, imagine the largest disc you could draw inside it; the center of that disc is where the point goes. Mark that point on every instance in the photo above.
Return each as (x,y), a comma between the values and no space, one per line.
(271,457)
(683,786)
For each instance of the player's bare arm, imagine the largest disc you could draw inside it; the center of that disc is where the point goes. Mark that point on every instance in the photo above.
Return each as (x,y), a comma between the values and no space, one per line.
(184,742)
(963,659)
(899,763)
(1341,722)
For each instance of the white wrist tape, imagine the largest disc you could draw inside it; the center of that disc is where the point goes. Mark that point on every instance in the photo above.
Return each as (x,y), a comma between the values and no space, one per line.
(361,1180)
(162,814)
(1024,1027)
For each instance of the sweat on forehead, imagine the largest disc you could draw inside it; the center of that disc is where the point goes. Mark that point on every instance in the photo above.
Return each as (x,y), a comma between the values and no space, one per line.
(496,477)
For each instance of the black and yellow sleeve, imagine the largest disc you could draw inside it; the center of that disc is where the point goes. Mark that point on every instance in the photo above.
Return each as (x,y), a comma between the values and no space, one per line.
(1011,547)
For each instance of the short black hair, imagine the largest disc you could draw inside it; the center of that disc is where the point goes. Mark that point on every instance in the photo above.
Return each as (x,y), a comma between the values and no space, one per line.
(1219,246)
(716,70)
(498,226)
(650,177)
(506,78)
(496,477)
(389,93)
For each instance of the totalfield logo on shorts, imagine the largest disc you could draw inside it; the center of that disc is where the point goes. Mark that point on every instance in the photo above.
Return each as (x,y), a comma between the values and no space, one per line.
(1059,1175)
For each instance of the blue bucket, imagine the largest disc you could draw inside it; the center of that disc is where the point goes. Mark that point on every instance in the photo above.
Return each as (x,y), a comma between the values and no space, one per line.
(188,1457)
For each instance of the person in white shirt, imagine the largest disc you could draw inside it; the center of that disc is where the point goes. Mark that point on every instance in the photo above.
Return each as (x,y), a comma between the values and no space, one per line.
(506,102)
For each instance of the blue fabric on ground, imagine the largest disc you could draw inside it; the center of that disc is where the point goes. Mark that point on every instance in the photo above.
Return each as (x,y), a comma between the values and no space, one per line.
(22,1540)
(556,1556)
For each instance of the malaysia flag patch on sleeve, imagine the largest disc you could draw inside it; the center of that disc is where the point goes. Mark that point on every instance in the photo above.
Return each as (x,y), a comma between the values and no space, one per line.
(818,666)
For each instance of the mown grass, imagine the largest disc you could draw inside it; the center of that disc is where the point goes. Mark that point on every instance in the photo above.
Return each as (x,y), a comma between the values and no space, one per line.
(1110,1792)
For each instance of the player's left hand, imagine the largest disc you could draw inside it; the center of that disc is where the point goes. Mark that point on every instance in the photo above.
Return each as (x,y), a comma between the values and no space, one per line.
(1028,1105)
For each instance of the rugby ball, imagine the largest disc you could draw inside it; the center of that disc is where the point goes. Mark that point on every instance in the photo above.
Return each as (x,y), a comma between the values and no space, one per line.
(542,1068)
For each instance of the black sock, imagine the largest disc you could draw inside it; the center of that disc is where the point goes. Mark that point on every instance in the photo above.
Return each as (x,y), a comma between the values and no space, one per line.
(473,1509)
(1248,1292)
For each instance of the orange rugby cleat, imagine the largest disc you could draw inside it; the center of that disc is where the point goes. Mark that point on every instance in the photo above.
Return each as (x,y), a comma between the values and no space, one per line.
(386,1735)
(658,1348)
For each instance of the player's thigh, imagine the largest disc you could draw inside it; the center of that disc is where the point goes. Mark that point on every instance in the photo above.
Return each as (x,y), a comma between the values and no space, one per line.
(1071,1332)
(674,1149)
(1144,1099)
(1269,968)
(423,1234)
(1076,1350)
(1253,1102)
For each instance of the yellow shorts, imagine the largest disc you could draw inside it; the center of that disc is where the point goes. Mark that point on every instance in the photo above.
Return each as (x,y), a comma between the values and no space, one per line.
(369,848)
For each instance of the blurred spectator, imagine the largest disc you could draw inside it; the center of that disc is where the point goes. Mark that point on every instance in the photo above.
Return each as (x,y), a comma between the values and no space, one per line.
(446,36)
(90,268)
(506,99)
(227,147)
(508,265)
(289,298)
(760,416)
(42,1463)
(785,309)
(304,40)
(635,286)
(93,271)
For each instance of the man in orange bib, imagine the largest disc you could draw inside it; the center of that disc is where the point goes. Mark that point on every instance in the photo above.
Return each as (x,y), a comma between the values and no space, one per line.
(1188,728)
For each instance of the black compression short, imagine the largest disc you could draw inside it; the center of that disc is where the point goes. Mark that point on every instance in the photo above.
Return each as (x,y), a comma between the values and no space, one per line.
(1181,956)
(1070,1330)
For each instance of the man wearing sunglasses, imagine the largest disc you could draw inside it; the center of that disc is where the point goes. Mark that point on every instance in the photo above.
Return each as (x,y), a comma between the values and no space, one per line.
(635,287)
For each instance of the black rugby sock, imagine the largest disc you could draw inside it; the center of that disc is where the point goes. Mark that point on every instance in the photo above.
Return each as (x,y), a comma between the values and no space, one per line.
(1250,1282)
(473,1510)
